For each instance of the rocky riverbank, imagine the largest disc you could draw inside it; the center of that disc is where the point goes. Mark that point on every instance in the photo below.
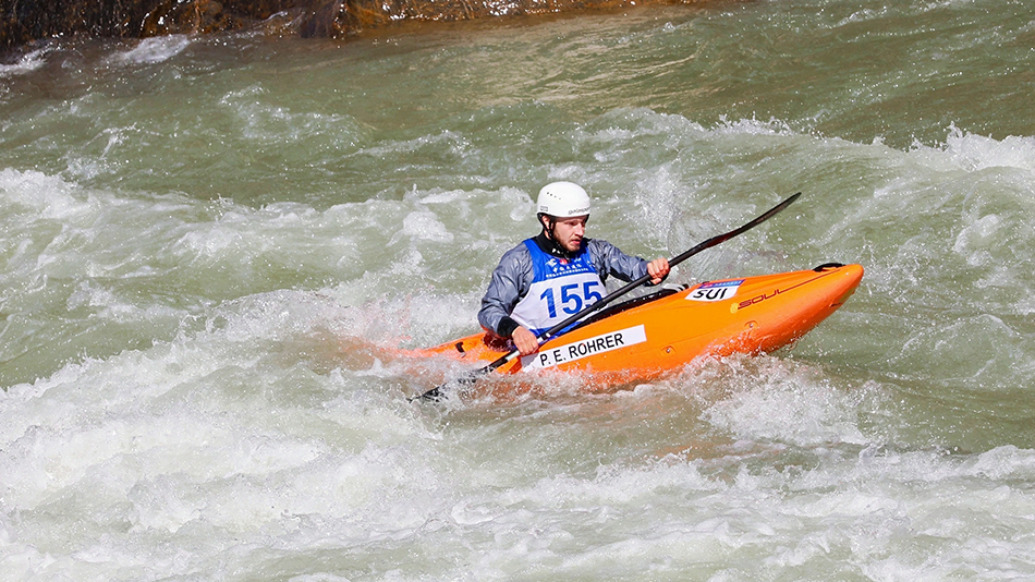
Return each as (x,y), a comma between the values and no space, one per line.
(27,21)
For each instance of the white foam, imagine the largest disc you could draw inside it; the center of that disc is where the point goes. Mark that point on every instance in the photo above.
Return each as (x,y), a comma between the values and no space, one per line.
(974,153)
(786,402)
(155,50)
(424,226)
(46,196)
(29,62)
(754,126)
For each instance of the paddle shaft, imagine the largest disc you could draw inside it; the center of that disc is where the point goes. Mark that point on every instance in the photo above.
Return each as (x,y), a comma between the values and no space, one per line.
(607,299)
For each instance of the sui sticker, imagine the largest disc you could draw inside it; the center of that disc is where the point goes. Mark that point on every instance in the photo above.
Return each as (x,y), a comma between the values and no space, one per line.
(715,290)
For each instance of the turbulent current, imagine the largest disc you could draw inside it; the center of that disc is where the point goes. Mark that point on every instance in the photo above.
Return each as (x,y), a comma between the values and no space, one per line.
(210,243)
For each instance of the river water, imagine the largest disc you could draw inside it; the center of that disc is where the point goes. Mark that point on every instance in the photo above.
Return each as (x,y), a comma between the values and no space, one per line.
(208,243)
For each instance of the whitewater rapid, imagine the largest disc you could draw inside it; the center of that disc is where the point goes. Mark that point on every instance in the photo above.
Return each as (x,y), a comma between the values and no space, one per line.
(210,245)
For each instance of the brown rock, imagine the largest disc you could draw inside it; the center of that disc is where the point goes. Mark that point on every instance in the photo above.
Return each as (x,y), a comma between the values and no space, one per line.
(24,21)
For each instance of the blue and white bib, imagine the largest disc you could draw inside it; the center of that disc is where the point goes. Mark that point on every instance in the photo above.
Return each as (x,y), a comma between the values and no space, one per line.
(560,288)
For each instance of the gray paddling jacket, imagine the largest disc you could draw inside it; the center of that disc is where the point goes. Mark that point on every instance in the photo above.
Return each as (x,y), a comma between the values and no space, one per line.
(515,274)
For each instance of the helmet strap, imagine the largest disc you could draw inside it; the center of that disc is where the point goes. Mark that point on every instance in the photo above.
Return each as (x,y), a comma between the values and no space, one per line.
(548,225)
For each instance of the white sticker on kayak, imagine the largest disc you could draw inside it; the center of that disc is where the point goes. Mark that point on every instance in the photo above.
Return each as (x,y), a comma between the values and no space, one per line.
(607,342)
(715,290)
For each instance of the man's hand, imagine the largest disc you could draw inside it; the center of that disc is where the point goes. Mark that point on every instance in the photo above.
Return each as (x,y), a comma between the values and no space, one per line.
(525,341)
(658,270)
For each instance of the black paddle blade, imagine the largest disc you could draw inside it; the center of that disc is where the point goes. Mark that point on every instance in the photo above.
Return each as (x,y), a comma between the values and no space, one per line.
(433,395)
(438,393)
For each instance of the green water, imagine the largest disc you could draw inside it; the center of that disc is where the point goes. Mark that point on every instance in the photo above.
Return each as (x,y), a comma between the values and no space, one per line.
(206,240)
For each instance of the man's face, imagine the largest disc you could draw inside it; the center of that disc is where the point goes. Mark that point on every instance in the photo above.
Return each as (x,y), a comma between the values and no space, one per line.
(568,232)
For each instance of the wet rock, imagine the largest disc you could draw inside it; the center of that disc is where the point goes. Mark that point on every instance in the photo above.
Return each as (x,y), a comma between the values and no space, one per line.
(25,21)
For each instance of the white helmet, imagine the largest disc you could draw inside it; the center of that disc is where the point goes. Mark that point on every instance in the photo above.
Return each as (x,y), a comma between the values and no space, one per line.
(563,200)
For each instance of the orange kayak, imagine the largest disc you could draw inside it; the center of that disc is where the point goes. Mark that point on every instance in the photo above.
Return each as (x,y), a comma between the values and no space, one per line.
(646,337)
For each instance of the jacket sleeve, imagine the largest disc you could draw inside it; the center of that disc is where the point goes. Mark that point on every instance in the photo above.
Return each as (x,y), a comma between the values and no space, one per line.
(609,260)
(510,282)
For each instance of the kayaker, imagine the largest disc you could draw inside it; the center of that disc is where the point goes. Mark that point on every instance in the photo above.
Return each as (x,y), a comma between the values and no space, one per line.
(549,277)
